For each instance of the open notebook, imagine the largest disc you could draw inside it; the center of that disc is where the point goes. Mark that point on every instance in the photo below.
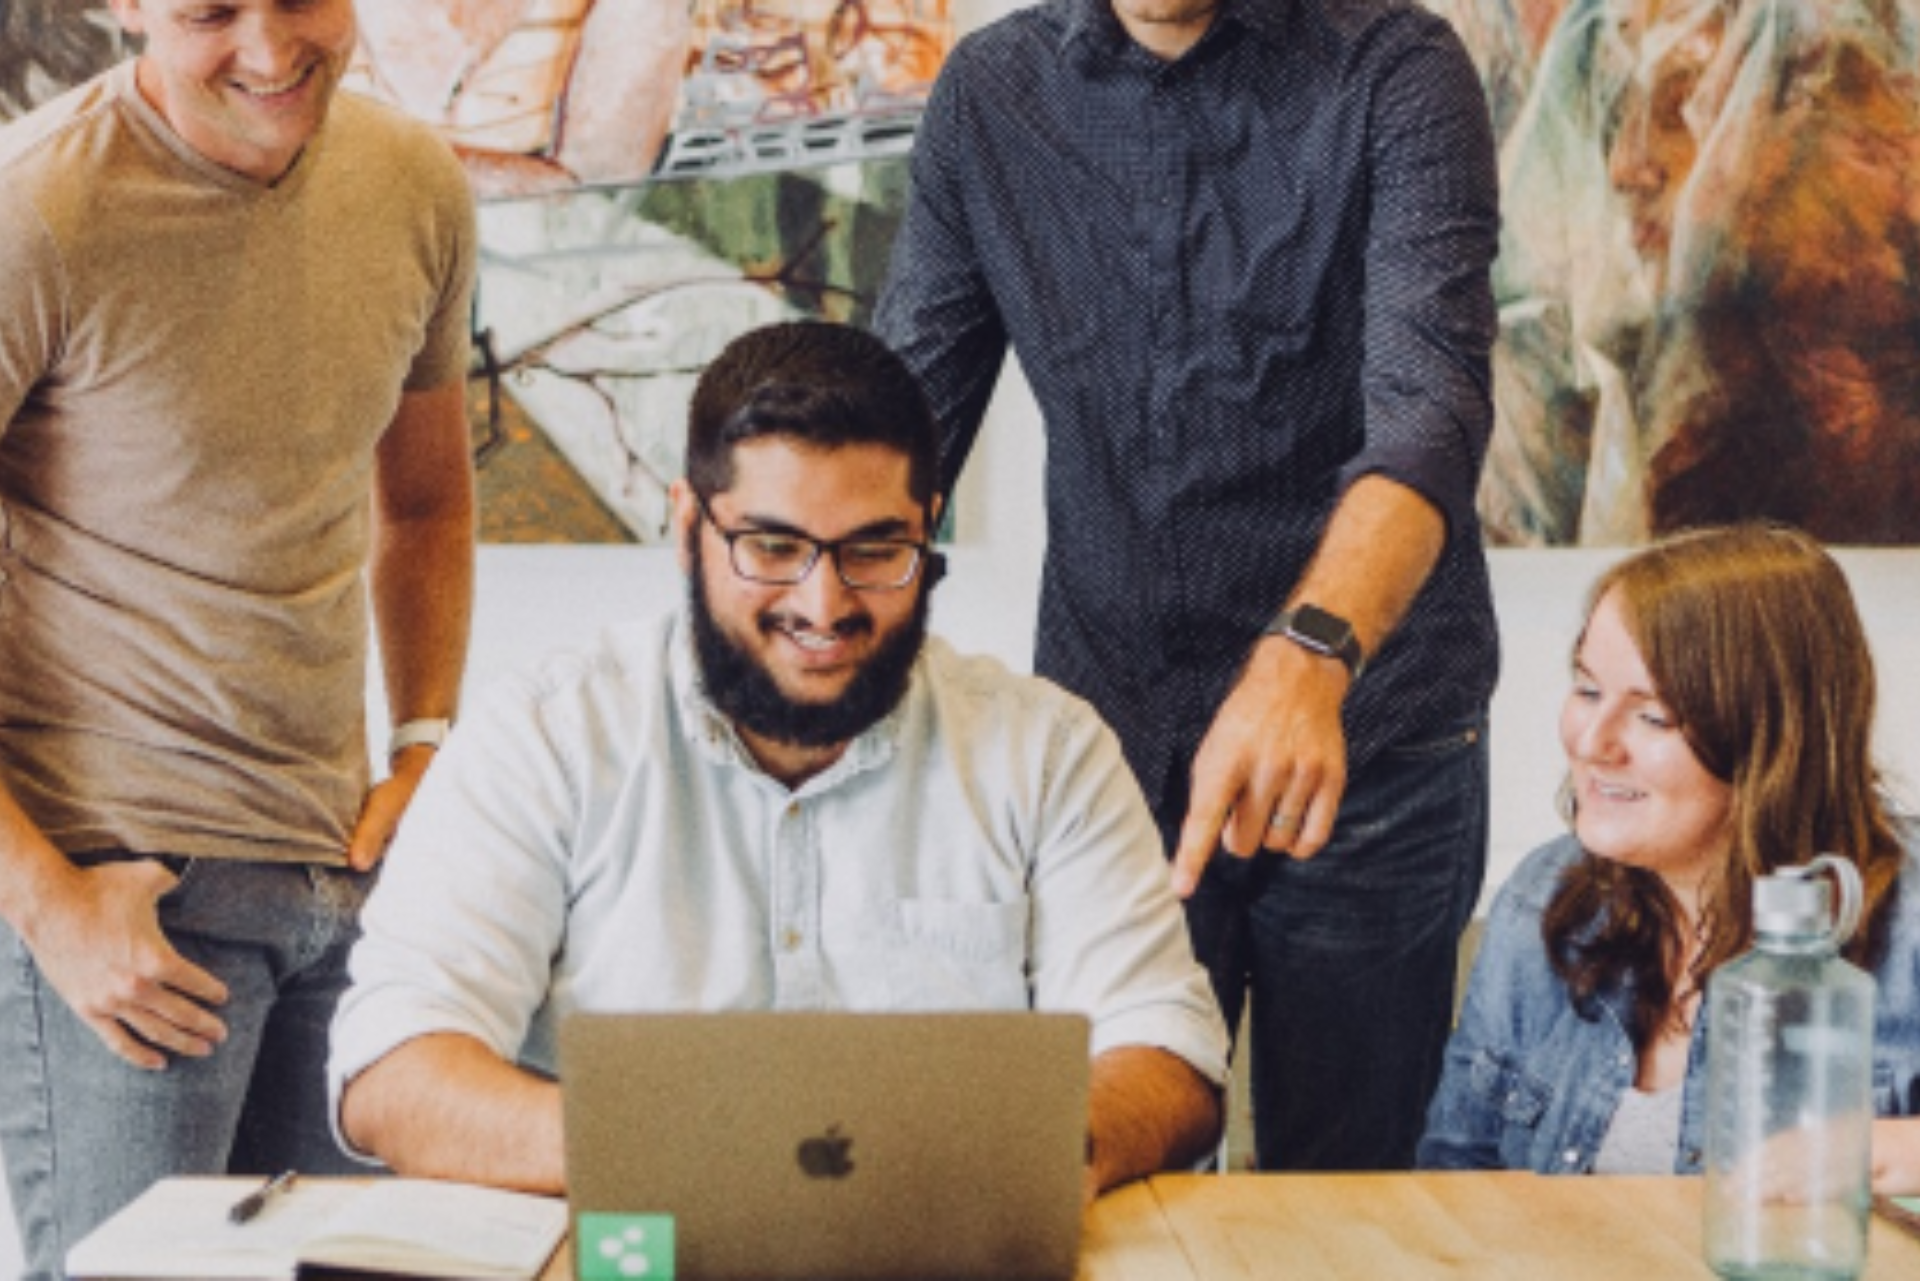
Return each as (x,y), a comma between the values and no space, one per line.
(374,1227)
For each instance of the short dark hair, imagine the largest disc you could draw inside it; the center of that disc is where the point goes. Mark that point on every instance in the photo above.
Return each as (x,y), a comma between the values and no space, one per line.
(808,380)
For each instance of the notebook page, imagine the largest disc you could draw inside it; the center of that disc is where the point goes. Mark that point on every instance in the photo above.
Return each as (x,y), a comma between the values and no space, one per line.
(179,1228)
(423,1228)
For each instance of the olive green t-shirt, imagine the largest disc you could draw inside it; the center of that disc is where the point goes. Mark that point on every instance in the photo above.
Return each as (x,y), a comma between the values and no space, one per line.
(195,369)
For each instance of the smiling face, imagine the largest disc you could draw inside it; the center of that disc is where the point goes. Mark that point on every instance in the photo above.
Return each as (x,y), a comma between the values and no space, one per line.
(246,83)
(803,668)
(1641,795)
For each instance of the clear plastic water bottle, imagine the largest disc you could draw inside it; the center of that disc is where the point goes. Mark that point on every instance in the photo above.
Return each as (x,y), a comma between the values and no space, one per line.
(1789,1087)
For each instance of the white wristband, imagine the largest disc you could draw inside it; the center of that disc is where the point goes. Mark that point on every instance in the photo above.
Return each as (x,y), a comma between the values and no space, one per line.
(427,733)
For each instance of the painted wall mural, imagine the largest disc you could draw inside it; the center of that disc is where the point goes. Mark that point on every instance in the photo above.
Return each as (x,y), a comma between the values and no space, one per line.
(656,176)
(47,45)
(1709,279)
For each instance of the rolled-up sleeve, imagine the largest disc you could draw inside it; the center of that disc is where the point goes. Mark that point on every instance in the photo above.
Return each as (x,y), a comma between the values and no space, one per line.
(1431,241)
(1109,938)
(461,934)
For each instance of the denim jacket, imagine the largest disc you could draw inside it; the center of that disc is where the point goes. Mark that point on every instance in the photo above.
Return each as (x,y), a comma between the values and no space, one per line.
(1531,1085)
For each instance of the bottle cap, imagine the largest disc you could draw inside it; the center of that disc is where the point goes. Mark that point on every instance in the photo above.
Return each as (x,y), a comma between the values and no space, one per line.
(1796,902)
(1791,905)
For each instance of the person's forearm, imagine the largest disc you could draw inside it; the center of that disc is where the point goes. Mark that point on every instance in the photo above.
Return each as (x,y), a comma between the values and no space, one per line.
(422,587)
(1272,769)
(444,1106)
(1380,544)
(1149,1111)
(421,570)
(422,579)
(33,872)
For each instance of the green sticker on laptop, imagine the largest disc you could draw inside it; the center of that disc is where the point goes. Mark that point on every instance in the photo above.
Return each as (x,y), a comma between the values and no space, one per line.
(623,1247)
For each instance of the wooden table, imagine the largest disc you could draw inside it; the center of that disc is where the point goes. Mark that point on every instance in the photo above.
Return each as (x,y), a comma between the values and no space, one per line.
(1405,1227)
(1408,1227)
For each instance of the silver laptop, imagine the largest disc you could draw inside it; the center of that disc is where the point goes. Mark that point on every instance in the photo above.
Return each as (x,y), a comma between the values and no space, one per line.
(783,1146)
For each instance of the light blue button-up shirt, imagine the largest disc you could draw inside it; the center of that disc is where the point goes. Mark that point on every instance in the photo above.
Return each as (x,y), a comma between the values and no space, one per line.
(596,837)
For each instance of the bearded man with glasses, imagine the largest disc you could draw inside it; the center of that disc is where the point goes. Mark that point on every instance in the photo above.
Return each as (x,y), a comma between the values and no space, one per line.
(783,796)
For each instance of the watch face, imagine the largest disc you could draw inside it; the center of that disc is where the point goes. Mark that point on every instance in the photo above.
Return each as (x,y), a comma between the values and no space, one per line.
(1321,629)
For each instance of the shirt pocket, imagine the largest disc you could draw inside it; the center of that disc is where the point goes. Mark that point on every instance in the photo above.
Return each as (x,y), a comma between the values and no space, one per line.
(1516,1099)
(957,955)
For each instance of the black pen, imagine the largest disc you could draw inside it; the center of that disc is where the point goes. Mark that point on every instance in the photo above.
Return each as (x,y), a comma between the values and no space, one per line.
(255,1201)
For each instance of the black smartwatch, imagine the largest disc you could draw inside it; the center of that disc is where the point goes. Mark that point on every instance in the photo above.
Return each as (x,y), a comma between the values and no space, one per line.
(1313,628)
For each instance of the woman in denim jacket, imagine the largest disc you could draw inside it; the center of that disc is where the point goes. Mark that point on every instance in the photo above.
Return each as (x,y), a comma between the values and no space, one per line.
(1719,726)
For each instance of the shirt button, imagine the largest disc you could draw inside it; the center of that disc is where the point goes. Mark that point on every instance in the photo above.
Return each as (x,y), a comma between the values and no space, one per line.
(1571,1156)
(793,810)
(791,940)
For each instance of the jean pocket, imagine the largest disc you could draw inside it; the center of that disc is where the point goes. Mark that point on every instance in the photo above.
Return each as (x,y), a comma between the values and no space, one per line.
(1430,749)
(183,870)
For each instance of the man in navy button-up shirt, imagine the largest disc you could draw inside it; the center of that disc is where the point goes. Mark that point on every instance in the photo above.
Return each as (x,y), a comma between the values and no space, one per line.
(1242,249)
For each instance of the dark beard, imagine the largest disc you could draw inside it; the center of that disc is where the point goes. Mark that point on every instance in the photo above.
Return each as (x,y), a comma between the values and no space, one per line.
(742,689)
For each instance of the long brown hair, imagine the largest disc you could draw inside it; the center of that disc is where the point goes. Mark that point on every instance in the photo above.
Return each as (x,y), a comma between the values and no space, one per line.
(1754,645)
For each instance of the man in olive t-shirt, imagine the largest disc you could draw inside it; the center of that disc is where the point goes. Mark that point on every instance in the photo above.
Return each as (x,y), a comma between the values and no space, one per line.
(233,314)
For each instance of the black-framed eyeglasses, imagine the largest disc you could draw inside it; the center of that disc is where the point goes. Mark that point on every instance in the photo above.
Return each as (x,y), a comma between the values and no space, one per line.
(781,558)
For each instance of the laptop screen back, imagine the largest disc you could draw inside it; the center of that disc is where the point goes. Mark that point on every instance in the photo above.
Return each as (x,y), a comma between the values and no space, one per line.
(782,1146)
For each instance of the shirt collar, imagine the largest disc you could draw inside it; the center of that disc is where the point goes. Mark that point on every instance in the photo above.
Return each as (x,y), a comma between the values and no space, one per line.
(1092,24)
(712,734)
(1265,18)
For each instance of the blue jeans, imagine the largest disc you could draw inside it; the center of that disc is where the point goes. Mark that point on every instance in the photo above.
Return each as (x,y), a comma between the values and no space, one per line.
(1349,958)
(84,1132)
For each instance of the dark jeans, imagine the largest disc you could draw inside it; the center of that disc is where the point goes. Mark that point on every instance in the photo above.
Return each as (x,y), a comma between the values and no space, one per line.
(1349,958)
(84,1132)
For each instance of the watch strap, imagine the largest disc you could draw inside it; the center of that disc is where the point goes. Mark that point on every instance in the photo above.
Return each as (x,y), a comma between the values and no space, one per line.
(1320,632)
(427,732)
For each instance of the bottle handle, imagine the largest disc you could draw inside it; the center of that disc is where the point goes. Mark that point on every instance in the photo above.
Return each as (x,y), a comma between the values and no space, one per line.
(1846,878)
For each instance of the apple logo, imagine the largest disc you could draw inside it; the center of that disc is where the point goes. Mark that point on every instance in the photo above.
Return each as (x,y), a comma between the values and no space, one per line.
(827,1156)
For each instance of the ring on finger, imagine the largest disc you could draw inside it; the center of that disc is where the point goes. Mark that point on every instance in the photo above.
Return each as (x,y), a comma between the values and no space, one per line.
(1283,822)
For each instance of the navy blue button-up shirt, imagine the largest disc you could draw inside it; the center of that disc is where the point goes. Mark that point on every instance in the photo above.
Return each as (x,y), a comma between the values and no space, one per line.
(1237,282)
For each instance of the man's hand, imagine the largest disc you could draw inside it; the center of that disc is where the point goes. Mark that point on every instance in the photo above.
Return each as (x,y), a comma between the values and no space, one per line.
(381,812)
(1273,766)
(100,946)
